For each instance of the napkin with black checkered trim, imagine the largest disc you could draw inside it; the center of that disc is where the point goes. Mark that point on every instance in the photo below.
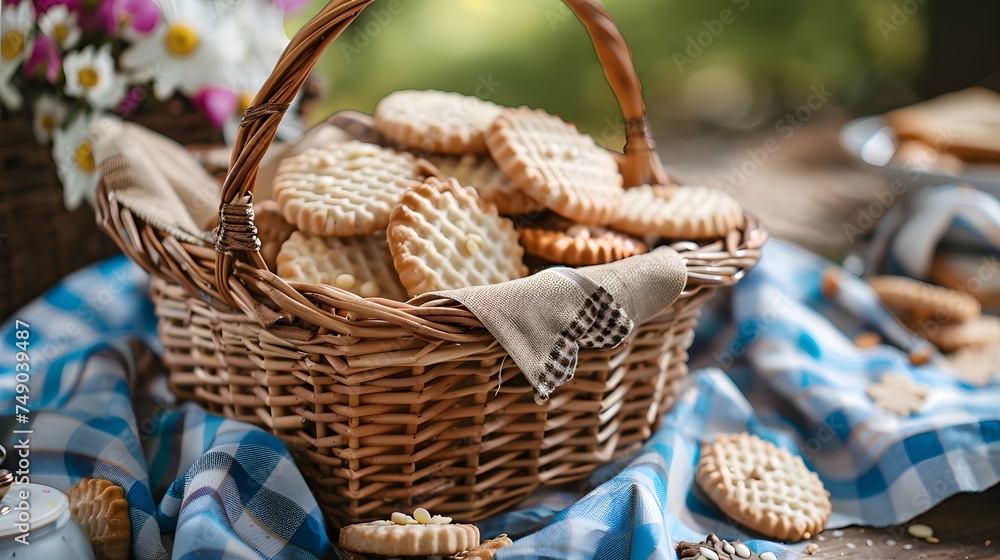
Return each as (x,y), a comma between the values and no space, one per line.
(543,320)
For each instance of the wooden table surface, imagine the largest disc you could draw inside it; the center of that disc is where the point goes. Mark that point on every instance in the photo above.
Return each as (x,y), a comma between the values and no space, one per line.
(968,526)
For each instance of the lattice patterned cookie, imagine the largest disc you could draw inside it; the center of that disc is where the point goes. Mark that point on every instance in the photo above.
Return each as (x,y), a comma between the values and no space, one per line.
(100,507)
(557,165)
(436,121)
(674,212)
(344,189)
(419,535)
(921,301)
(491,183)
(443,236)
(561,241)
(361,265)
(763,487)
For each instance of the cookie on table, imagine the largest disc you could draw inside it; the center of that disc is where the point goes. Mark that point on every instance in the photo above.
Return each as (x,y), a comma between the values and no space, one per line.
(913,299)
(491,183)
(557,165)
(272,230)
(898,394)
(972,274)
(419,536)
(977,333)
(965,123)
(978,366)
(678,212)
(560,241)
(344,189)
(763,487)
(443,237)
(361,265)
(435,121)
(100,507)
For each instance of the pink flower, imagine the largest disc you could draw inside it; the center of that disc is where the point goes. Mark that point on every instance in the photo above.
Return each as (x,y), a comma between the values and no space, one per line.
(290,5)
(44,57)
(98,15)
(217,103)
(141,16)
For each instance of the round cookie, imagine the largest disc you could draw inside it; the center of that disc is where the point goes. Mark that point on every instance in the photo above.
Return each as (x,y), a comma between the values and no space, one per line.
(443,236)
(361,265)
(675,212)
(560,241)
(422,534)
(977,333)
(913,299)
(344,189)
(100,507)
(978,366)
(557,165)
(435,121)
(763,487)
(491,183)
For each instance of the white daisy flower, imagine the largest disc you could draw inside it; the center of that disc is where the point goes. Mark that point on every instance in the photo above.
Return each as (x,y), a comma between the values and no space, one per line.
(194,45)
(16,25)
(50,112)
(60,24)
(91,74)
(265,22)
(73,153)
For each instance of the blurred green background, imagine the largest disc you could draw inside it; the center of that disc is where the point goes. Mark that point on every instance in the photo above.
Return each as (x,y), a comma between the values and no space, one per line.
(729,65)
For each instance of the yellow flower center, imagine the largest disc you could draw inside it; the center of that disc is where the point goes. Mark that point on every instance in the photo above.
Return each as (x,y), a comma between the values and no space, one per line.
(60,31)
(85,157)
(246,99)
(88,77)
(182,40)
(11,44)
(48,122)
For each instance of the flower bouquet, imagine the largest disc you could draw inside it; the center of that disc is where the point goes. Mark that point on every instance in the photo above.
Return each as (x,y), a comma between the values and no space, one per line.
(185,68)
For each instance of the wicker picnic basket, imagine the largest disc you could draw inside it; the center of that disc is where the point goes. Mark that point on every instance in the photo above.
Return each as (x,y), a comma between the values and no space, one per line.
(390,406)
(41,241)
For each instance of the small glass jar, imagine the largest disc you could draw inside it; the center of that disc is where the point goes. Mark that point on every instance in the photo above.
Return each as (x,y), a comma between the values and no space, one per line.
(39,516)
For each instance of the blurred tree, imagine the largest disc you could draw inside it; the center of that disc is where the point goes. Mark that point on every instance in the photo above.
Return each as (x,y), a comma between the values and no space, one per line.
(720,63)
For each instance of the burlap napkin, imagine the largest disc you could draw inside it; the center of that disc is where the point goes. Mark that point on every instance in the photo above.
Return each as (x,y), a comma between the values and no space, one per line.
(543,320)
(155,178)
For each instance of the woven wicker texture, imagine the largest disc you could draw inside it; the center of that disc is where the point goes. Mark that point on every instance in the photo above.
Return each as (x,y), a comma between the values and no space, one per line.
(392,406)
(40,241)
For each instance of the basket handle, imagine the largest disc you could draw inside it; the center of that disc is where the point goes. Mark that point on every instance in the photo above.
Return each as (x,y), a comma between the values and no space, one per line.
(640,163)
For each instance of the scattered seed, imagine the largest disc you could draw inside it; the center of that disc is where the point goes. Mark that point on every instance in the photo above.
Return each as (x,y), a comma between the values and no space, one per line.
(933,540)
(861,530)
(907,546)
(988,542)
(821,538)
(890,542)
(838,533)
(851,545)
(768,556)
(812,548)
(920,530)
(869,542)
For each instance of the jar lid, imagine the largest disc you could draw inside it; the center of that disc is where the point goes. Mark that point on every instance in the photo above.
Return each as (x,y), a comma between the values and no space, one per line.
(42,505)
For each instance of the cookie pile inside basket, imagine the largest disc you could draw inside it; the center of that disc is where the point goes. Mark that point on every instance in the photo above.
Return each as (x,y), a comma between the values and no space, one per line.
(442,191)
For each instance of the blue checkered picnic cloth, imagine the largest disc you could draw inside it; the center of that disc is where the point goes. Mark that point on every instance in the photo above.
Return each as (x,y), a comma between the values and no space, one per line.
(198,485)
(219,488)
(795,378)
